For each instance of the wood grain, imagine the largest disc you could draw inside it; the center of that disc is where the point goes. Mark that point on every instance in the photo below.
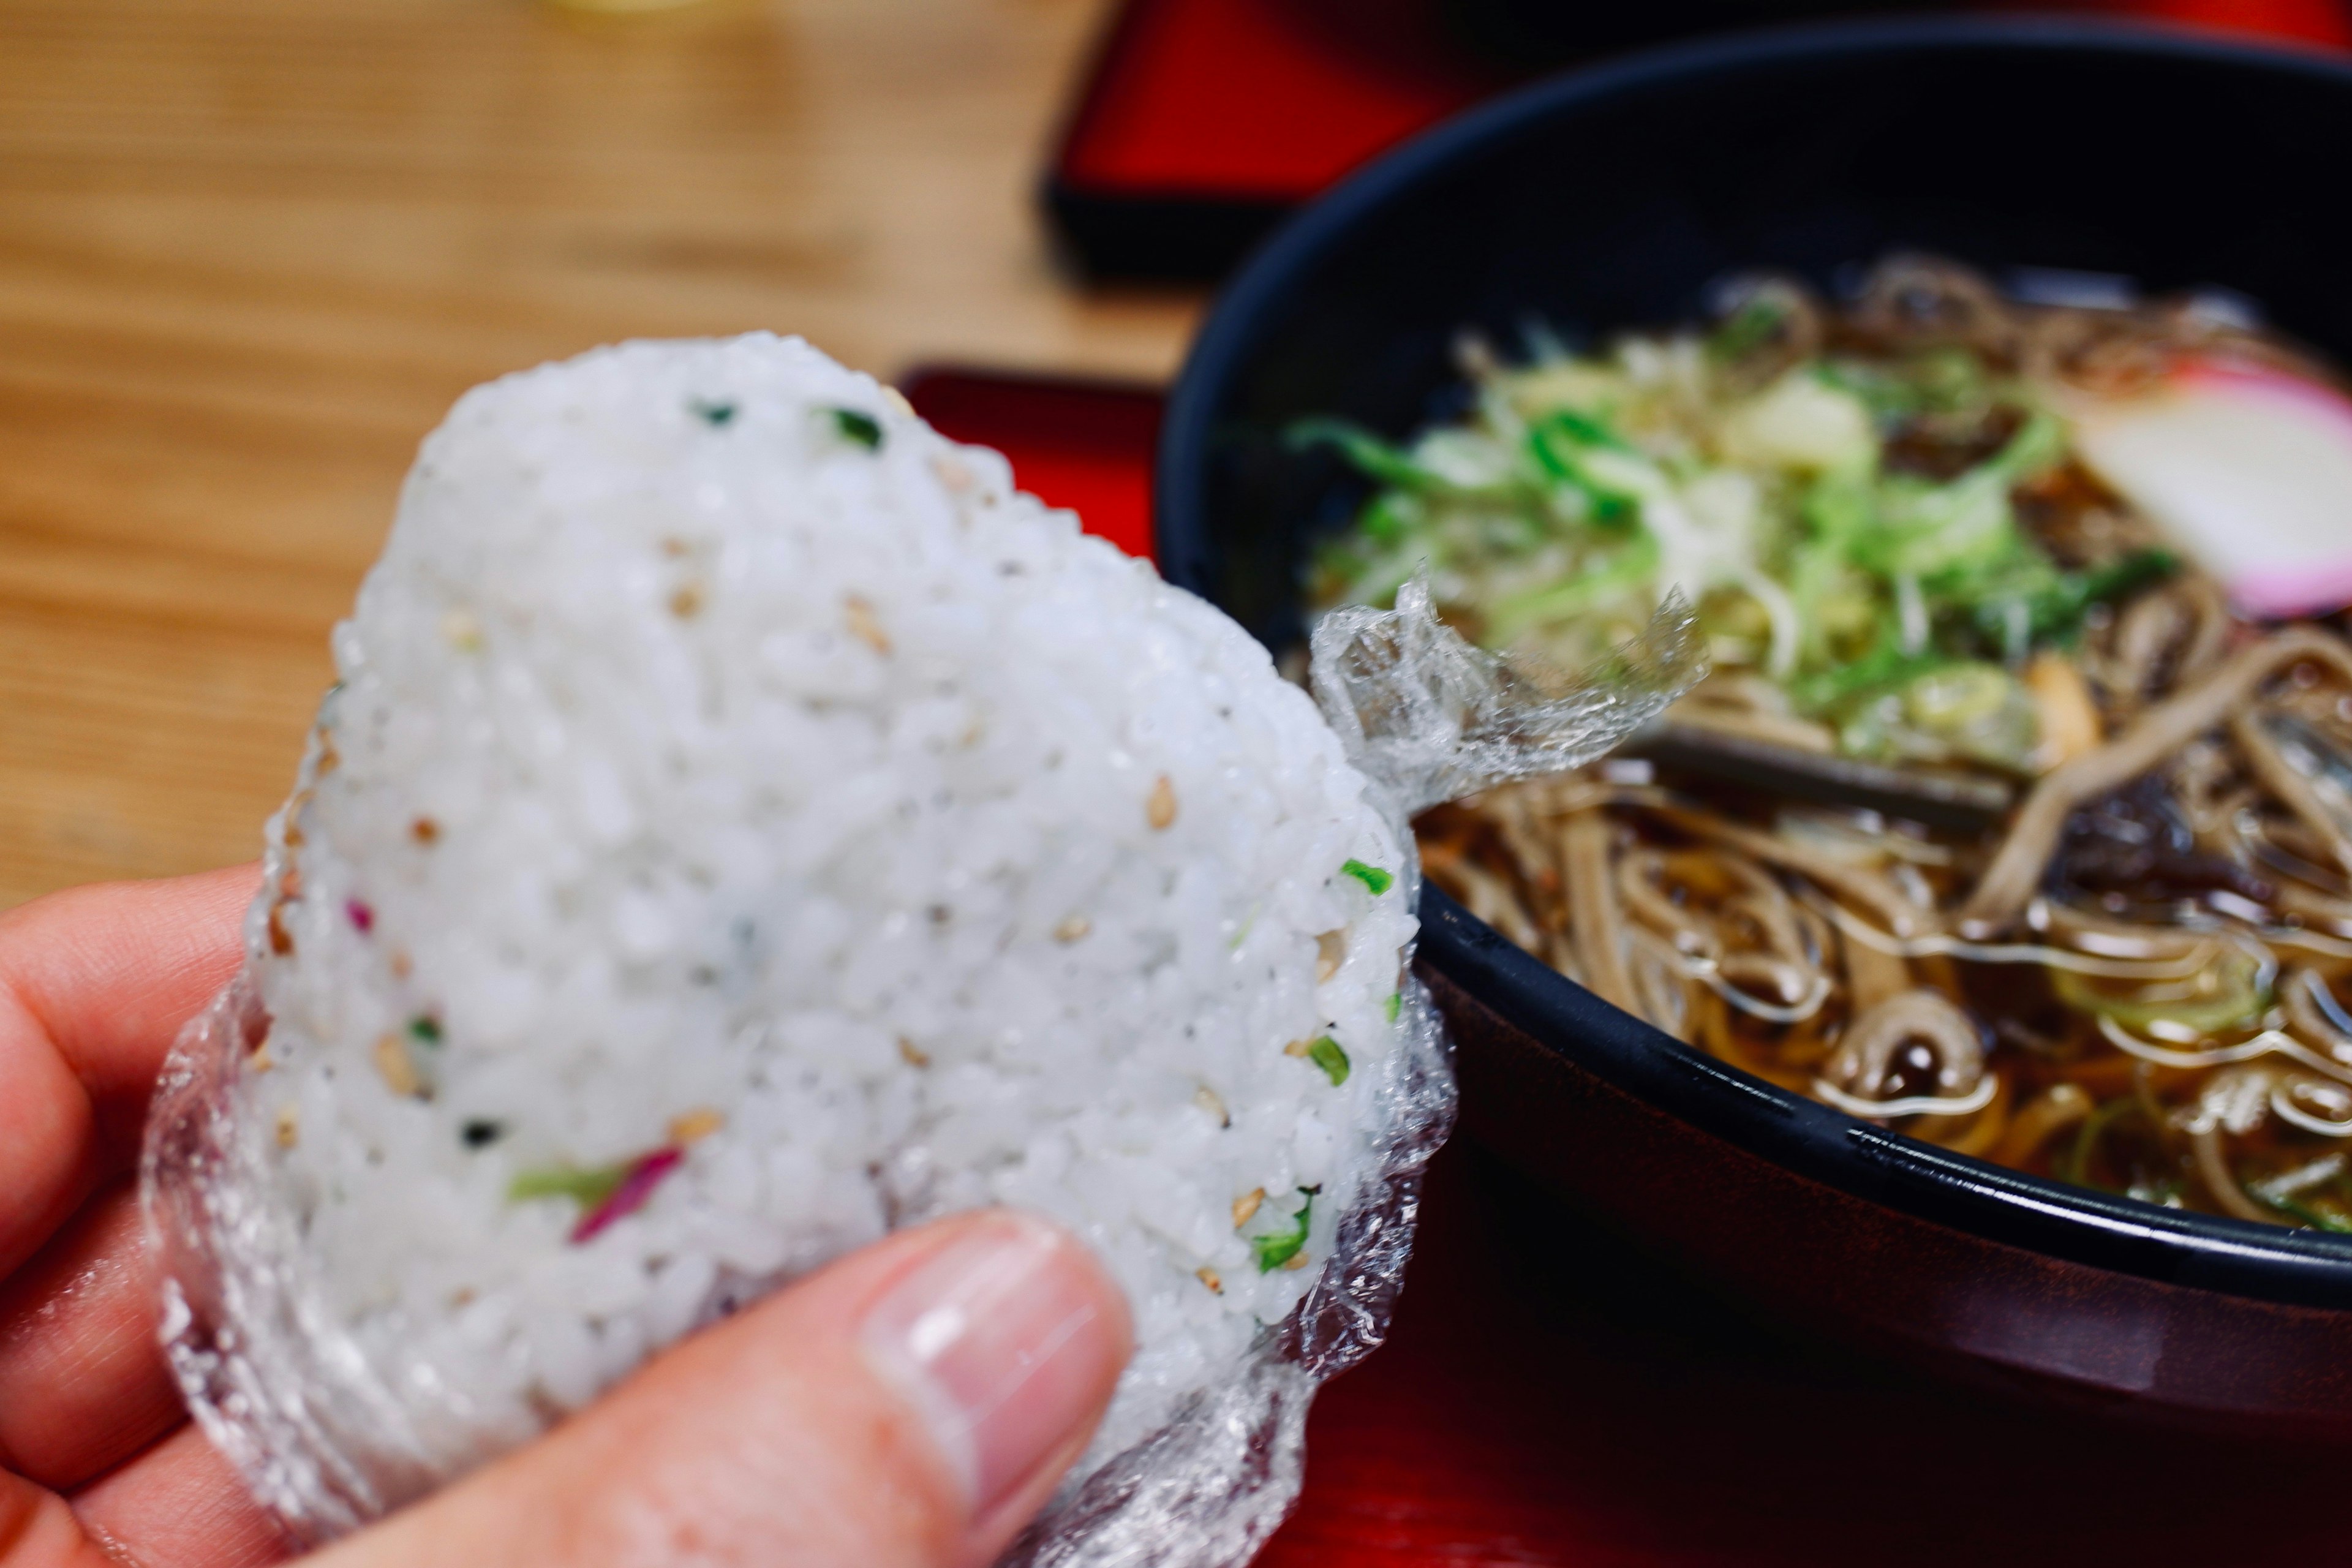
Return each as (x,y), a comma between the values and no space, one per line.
(251,249)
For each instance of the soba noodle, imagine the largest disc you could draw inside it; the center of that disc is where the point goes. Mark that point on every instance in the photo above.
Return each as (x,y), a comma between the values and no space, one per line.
(2130,979)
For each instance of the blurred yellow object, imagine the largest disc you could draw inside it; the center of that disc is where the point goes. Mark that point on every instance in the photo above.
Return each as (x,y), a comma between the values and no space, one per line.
(621,7)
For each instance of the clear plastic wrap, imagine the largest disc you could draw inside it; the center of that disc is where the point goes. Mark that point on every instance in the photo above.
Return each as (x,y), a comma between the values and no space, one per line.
(286,1397)
(1429,718)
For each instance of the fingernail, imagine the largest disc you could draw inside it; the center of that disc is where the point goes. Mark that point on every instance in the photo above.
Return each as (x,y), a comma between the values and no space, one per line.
(1006,1344)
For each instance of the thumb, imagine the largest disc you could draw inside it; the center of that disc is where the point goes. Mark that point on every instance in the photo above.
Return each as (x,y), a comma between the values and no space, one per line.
(911,1407)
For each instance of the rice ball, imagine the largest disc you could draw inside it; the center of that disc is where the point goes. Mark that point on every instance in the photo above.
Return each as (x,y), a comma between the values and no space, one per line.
(744,825)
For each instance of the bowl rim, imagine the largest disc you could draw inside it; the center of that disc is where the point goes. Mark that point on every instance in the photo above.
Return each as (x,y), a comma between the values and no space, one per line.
(2055,1219)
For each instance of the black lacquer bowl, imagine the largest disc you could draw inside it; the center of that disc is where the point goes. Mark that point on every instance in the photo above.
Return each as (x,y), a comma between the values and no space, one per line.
(1614,197)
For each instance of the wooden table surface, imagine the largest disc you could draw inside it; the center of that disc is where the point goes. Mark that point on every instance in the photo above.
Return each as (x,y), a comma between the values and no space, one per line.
(251,249)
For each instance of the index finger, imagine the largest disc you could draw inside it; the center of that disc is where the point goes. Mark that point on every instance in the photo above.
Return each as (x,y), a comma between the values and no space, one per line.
(94,984)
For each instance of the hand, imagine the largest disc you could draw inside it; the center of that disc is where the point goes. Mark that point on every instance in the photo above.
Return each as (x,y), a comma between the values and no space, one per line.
(911,1407)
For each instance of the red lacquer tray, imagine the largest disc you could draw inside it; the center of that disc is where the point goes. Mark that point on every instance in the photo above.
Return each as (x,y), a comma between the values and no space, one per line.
(1552,1396)
(1199,123)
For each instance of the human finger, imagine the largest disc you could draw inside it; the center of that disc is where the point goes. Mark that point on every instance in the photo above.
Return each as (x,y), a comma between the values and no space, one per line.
(38,1531)
(94,984)
(83,1383)
(911,1406)
(179,1505)
(110,972)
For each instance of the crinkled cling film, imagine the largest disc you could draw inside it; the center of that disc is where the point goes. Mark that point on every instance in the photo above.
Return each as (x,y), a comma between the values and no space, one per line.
(328,1442)
(1427,717)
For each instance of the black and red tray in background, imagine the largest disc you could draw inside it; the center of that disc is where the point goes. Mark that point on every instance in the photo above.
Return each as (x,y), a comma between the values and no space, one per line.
(1552,1398)
(1201,123)
(1085,445)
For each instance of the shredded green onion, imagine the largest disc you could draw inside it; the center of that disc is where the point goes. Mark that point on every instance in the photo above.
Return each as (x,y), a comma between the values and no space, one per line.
(2318,1219)
(1747,329)
(2075,1166)
(1372,876)
(2283,1192)
(1326,1053)
(1373,456)
(586,1187)
(1274,1251)
(857,427)
(1820,547)
(2232,992)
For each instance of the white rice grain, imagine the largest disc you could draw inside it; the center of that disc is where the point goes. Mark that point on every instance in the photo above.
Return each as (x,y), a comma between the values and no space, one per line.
(694,757)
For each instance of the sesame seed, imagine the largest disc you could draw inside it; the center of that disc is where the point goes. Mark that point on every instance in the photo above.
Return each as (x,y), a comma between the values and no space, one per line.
(397,1068)
(1246,1206)
(953,474)
(863,625)
(461,630)
(1330,951)
(692,1127)
(1161,809)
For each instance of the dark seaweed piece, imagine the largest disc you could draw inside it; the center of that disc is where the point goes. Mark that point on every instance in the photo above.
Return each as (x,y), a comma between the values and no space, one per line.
(1943,446)
(481,1133)
(859,426)
(2136,843)
(715,415)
